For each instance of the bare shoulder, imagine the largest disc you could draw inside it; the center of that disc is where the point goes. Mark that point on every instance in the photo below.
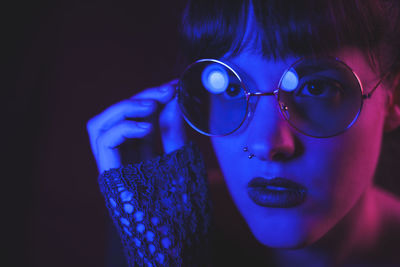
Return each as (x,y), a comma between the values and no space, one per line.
(389,206)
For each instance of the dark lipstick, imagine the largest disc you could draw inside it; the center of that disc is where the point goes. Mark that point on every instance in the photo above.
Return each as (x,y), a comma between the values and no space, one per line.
(276,192)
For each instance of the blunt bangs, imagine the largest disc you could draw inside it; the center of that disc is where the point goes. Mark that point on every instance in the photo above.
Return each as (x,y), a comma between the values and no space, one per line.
(212,28)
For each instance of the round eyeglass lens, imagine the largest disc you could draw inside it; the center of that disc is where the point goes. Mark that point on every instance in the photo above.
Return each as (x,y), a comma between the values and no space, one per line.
(320,97)
(212,98)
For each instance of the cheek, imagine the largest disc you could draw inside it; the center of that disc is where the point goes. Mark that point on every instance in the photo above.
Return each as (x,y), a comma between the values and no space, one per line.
(230,154)
(345,166)
(348,161)
(340,169)
(357,150)
(234,164)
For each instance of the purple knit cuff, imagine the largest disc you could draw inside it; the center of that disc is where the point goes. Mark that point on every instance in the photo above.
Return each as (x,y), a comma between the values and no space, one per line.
(161,209)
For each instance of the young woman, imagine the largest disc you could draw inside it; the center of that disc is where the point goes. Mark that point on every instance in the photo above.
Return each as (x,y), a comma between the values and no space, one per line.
(295,96)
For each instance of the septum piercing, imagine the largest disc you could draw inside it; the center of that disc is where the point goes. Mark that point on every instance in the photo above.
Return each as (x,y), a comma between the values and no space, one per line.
(246,149)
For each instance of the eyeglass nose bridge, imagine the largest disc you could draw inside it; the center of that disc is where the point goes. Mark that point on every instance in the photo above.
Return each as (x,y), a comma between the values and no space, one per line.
(274,93)
(283,108)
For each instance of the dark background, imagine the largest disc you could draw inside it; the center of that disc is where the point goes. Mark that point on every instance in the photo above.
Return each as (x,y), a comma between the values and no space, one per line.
(66,61)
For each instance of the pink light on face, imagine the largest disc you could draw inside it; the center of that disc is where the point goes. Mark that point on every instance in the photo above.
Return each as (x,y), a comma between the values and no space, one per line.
(336,171)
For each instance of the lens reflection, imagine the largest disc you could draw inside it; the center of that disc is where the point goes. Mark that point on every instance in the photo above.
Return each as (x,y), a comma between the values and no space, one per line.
(326,100)
(320,97)
(212,98)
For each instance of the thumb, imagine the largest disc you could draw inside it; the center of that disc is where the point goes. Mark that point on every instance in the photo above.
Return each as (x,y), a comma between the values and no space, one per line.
(172,129)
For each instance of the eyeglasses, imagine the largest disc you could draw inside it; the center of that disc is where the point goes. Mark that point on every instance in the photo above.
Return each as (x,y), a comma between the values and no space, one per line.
(319,97)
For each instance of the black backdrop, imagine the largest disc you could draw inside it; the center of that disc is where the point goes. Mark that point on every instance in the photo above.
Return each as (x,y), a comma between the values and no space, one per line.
(65,62)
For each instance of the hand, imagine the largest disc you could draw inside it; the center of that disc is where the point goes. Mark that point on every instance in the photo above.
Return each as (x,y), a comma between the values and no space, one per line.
(119,123)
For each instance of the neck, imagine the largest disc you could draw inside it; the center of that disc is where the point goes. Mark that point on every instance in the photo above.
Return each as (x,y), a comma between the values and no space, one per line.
(355,235)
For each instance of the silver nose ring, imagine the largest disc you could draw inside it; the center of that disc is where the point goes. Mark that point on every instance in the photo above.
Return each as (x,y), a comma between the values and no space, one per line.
(246,149)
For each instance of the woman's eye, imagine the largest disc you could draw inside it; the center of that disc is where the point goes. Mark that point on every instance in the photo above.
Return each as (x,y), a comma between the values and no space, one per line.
(320,88)
(234,92)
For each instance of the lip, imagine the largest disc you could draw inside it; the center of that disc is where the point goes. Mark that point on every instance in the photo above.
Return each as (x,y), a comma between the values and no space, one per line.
(276,193)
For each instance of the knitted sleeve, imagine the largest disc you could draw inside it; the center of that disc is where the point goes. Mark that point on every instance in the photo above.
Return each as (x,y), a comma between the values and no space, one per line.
(161,209)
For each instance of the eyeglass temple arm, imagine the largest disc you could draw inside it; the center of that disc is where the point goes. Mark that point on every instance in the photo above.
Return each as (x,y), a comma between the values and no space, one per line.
(369,95)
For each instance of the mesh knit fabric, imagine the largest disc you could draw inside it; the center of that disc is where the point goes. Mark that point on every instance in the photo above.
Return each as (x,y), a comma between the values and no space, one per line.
(161,209)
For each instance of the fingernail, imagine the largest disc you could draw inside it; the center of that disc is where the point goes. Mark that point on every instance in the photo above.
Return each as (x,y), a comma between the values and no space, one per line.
(146,102)
(144,125)
(174,83)
(165,88)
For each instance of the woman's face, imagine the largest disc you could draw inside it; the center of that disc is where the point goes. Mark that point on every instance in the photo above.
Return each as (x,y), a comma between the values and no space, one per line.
(335,171)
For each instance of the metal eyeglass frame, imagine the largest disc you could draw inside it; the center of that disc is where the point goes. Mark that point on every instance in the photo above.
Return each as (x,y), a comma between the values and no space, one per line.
(275,93)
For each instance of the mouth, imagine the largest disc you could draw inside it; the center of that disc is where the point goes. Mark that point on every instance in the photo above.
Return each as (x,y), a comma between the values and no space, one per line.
(276,192)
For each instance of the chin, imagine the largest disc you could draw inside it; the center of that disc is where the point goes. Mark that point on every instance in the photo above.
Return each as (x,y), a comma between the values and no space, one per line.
(283,235)
(292,242)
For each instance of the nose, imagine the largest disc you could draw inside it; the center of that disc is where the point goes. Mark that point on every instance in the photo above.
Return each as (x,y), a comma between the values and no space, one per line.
(270,137)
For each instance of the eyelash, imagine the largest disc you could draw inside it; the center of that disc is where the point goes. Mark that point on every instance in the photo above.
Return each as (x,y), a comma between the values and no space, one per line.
(332,83)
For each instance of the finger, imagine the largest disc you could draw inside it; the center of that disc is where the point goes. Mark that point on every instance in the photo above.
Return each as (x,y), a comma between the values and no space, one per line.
(118,112)
(171,121)
(119,133)
(125,109)
(107,144)
(162,94)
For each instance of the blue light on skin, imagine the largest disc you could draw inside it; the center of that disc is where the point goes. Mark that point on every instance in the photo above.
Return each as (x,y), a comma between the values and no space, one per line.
(337,172)
(124,221)
(126,196)
(215,78)
(139,216)
(140,228)
(150,236)
(128,208)
(152,248)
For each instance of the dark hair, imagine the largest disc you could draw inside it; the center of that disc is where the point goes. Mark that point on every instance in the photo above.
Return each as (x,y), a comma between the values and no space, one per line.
(211,28)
